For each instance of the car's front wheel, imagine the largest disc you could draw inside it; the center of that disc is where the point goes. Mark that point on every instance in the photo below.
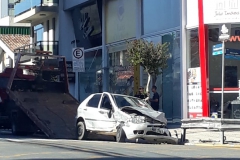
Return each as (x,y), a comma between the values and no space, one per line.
(82,133)
(121,136)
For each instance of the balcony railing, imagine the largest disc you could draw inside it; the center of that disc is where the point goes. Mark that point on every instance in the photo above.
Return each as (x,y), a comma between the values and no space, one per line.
(22,6)
(51,46)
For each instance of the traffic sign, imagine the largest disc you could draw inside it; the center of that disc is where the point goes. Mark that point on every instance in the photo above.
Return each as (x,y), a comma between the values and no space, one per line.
(78,60)
(78,53)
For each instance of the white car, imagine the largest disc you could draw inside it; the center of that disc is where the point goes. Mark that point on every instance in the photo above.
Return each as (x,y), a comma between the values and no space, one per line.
(123,117)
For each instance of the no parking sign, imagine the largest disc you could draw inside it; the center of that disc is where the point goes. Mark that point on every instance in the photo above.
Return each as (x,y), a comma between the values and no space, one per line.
(78,60)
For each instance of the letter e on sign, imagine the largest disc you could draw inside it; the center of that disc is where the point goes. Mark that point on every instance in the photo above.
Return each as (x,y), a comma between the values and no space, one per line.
(78,53)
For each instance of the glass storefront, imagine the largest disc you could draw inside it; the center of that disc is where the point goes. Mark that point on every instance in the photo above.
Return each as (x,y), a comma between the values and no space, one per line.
(168,83)
(164,14)
(231,68)
(193,75)
(121,74)
(193,49)
(214,70)
(121,25)
(171,78)
(91,80)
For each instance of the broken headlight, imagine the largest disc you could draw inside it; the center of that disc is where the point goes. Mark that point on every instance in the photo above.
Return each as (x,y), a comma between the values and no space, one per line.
(138,119)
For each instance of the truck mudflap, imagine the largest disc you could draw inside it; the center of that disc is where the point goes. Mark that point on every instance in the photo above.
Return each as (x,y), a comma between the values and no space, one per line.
(53,113)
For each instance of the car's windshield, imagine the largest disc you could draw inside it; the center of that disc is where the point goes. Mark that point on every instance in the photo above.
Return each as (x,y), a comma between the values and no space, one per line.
(123,101)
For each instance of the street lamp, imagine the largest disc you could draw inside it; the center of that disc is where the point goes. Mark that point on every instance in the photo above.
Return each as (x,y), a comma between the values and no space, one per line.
(223,37)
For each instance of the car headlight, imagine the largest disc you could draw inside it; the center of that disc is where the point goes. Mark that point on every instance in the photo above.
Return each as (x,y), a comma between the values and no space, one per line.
(138,119)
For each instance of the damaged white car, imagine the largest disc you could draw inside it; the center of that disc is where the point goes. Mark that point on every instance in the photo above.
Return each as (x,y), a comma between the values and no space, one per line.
(123,117)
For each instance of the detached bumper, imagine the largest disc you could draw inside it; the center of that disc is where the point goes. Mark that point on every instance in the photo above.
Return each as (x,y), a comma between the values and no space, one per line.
(149,132)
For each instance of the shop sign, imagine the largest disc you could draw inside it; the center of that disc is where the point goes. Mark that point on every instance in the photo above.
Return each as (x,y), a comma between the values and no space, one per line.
(78,60)
(194,93)
(221,11)
(71,74)
(234,39)
(217,49)
(232,54)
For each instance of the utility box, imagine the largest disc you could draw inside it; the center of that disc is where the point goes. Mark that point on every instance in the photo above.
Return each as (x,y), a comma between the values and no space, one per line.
(235,112)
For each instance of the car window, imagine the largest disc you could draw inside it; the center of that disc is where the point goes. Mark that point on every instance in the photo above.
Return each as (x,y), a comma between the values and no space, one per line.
(94,101)
(124,101)
(106,103)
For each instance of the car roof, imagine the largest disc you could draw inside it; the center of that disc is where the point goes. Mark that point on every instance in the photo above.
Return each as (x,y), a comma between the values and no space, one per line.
(114,94)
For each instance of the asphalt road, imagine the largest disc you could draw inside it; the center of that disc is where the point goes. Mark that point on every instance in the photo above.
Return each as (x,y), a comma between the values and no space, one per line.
(33,148)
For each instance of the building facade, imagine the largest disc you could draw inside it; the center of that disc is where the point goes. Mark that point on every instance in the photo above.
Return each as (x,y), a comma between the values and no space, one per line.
(12,35)
(103,28)
(203,22)
(41,15)
(7,8)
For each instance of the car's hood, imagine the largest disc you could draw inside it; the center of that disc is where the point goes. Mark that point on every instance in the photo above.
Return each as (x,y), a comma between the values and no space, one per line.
(159,116)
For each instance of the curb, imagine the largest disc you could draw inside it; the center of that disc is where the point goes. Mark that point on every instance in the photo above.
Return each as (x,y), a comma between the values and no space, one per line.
(215,145)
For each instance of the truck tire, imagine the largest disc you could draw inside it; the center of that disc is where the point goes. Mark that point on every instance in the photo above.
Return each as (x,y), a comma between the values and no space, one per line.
(82,133)
(121,136)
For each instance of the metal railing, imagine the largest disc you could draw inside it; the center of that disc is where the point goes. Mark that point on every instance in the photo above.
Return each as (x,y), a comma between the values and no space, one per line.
(22,6)
(51,46)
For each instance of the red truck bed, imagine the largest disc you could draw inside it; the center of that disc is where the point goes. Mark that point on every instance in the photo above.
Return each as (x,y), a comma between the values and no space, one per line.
(53,113)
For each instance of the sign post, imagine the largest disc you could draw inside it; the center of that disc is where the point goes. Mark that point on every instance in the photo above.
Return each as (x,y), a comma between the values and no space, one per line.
(223,37)
(78,60)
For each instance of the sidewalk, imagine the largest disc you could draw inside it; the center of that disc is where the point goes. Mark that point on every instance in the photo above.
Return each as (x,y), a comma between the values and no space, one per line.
(204,136)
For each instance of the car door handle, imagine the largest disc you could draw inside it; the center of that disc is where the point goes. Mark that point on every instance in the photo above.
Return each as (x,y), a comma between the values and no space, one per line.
(85,109)
(101,112)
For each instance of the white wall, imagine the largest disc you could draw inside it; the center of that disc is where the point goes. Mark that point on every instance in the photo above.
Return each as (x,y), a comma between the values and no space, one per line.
(192,13)
(9,21)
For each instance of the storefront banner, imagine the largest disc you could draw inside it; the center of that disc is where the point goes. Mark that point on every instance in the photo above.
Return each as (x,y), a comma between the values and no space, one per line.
(221,11)
(194,101)
(217,49)
(78,60)
(232,54)
(194,93)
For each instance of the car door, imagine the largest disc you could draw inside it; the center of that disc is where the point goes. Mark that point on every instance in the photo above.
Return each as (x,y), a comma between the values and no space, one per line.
(106,121)
(90,111)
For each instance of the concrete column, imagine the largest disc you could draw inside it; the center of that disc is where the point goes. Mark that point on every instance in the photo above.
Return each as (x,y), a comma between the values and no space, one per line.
(32,39)
(105,56)
(50,35)
(183,57)
(45,36)
(139,31)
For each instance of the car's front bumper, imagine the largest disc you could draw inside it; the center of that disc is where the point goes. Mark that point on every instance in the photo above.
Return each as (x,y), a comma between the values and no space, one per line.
(149,132)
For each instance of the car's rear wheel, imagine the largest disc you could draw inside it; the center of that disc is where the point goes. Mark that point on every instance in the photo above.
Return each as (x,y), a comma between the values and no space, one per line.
(82,133)
(121,136)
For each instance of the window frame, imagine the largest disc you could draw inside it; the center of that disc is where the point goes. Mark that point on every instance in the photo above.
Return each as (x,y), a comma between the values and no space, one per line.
(93,98)
(103,99)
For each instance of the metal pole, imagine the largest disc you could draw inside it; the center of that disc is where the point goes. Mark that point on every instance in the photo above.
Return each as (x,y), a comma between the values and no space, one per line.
(223,69)
(222,94)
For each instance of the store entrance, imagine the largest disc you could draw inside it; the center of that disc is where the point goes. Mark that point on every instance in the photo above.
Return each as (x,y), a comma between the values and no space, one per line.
(232,72)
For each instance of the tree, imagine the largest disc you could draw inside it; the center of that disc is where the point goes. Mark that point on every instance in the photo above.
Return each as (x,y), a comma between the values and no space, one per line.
(152,57)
